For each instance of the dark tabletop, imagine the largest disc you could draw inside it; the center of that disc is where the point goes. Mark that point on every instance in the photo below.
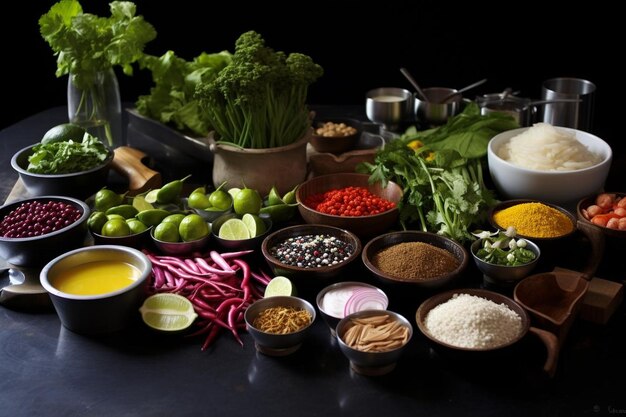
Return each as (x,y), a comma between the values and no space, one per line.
(46,369)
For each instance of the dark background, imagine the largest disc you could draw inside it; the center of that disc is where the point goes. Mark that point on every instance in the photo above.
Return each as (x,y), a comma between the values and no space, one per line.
(513,44)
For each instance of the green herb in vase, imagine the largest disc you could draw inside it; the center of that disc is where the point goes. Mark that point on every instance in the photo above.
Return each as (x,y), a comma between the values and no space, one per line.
(88,47)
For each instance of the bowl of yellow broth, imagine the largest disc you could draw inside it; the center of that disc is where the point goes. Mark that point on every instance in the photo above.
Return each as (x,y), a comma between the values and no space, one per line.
(97,289)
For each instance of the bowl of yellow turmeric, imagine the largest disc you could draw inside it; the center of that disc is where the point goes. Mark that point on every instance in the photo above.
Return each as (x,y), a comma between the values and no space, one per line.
(533,219)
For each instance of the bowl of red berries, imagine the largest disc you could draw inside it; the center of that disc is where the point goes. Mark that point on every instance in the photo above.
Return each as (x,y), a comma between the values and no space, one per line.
(36,230)
(349,201)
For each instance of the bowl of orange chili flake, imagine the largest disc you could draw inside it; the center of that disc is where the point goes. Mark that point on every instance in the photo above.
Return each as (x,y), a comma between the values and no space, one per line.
(349,201)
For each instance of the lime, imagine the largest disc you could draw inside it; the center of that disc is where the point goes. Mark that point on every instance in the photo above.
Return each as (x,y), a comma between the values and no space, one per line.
(151,197)
(136,226)
(167,312)
(63,133)
(96,220)
(234,191)
(105,199)
(220,200)
(140,203)
(198,200)
(234,229)
(166,232)
(247,200)
(254,223)
(175,218)
(115,228)
(279,285)
(193,227)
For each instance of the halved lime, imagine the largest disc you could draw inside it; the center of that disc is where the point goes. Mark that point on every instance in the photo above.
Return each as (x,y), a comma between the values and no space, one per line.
(254,223)
(151,197)
(233,191)
(234,229)
(279,285)
(168,312)
(140,203)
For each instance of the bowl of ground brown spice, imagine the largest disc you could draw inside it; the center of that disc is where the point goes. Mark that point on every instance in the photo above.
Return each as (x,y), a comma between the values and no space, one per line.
(415,258)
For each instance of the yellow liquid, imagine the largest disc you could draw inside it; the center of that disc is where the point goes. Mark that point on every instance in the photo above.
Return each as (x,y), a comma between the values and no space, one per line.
(94,278)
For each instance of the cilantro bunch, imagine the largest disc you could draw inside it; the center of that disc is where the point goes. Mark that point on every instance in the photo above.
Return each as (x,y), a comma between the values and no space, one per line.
(86,44)
(444,189)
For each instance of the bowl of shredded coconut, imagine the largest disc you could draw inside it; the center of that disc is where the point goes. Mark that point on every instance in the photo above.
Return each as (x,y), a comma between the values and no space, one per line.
(544,162)
(466,322)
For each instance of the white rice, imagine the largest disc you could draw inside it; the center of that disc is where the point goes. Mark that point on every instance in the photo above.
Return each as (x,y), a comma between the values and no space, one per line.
(544,148)
(470,321)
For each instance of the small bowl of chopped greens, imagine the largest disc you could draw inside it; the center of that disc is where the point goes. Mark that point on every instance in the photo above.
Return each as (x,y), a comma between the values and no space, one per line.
(503,257)
(64,168)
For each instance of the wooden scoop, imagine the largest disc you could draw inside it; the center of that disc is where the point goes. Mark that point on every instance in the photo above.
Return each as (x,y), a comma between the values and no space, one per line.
(128,163)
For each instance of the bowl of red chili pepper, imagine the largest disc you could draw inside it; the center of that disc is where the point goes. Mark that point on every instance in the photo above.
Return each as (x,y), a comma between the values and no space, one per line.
(349,201)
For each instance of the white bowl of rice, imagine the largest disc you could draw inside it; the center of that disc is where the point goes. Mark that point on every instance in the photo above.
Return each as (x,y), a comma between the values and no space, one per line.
(553,164)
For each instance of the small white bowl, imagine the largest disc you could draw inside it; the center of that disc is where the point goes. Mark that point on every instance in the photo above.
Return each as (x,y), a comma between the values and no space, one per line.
(563,188)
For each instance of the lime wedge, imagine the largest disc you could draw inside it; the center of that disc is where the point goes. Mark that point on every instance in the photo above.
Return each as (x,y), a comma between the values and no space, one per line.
(140,203)
(234,229)
(151,197)
(234,191)
(167,312)
(279,286)
(254,223)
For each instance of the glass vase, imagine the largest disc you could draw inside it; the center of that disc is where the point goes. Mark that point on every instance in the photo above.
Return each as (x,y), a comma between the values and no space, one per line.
(98,108)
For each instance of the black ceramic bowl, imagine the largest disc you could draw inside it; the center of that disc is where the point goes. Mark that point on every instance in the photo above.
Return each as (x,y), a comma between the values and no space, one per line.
(36,251)
(394,238)
(498,357)
(308,276)
(77,184)
(135,240)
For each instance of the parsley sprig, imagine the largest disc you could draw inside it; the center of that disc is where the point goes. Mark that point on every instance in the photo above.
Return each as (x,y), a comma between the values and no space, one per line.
(86,44)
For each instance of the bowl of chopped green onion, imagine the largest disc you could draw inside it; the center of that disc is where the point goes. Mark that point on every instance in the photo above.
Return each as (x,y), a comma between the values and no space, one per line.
(503,257)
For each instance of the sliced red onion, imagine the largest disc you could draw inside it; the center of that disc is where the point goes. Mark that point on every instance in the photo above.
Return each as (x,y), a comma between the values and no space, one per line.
(365,298)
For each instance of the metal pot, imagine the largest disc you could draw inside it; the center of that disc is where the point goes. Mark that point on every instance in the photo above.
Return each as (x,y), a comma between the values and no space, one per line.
(522,109)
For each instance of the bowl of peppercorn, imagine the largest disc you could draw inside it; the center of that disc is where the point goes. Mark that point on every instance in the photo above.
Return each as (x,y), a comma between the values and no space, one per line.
(311,253)
(35,230)
(415,259)
(348,201)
